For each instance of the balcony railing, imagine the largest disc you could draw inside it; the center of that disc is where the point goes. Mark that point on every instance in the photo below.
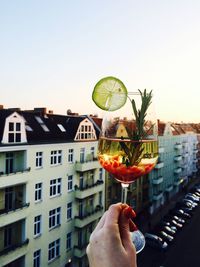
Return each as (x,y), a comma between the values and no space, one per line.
(157,181)
(80,250)
(177,170)
(14,247)
(88,217)
(159,165)
(178,146)
(161,149)
(178,158)
(87,190)
(158,196)
(169,188)
(87,165)
(16,207)
(15,171)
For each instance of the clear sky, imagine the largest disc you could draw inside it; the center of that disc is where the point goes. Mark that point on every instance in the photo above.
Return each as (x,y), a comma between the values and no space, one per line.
(52,53)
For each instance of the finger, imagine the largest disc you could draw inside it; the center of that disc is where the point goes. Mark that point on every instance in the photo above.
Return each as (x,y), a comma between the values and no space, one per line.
(101,222)
(114,213)
(124,225)
(132,226)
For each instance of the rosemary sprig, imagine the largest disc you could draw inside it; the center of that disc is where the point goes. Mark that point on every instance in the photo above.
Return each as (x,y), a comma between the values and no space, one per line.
(141,113)
(134,151)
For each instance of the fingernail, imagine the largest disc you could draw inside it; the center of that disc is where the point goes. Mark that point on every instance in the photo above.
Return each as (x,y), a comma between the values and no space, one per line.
(129,213)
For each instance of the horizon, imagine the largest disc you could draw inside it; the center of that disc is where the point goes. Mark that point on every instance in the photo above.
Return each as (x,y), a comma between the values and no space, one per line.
(53,54)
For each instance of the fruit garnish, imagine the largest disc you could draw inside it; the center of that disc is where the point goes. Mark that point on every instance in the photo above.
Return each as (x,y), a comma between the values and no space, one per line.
(110,94)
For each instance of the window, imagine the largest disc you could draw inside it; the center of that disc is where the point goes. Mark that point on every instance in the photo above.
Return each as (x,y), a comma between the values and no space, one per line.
(92,151)
(82,154)
(55,187)
(54,250)
(69,211)
(54,217)
(91,178)
(101,174)
(14,134)
(39,157)
(38,192)
(81,180)
(56,157)
(70,183)
(8,236)
(100,198)
(9,162)
(70,155)
(36,258)
(69,241)
(37,225)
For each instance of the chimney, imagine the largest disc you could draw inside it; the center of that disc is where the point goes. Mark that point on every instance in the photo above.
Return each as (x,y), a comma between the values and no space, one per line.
(42,111)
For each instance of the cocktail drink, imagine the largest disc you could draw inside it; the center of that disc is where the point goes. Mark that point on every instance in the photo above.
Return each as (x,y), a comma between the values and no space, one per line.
(128,146)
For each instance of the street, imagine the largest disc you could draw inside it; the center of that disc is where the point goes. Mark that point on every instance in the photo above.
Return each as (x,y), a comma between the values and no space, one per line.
(183,252)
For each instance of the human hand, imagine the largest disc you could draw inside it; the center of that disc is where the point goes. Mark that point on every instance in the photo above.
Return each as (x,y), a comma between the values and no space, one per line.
(110,243)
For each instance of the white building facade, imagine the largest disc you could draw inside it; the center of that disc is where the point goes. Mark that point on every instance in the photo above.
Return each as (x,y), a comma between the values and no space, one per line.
(51,188)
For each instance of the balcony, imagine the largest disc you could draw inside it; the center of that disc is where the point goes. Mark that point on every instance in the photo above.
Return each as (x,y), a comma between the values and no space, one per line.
(177,170)
(178,158)
(161,150)
(87,165)
(157,181)
(13,178)
(14,215)
(178,146)
(80,250)
(84,192)
(158,196)
(185,155)
(14,247)
(82,221)
(185,144)
(159,165)
(15,208)
(169,188)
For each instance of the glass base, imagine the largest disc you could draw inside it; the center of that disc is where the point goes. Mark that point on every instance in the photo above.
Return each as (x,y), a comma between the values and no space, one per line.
(138,240)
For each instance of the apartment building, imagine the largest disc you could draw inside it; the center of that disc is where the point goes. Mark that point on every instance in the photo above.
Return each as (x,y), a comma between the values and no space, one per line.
(51,188)
(177,163)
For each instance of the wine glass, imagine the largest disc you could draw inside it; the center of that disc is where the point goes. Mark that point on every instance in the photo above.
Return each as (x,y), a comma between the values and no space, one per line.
(128,146)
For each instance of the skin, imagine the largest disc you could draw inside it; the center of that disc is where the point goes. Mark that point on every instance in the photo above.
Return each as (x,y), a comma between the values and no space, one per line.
(110,243)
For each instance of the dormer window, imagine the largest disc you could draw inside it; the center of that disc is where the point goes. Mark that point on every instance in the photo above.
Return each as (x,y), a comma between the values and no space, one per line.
(14,130)
(86,131)
(14,134)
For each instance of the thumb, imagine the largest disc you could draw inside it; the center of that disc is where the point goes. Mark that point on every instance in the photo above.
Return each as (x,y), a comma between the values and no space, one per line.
(124,227)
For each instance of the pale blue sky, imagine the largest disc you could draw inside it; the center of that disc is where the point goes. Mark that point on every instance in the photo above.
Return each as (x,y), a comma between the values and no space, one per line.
(52,53)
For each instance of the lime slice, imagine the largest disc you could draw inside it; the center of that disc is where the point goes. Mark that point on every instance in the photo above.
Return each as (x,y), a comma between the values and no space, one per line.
(109,94)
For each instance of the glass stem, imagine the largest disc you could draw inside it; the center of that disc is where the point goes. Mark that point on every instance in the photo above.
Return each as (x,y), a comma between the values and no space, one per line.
(124,192)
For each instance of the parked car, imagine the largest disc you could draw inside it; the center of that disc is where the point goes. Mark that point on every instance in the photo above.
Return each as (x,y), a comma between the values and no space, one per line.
(176,224)
(195,195)
(181,213)
(192,203)
(165,236)
(187,210)
(155,241)
(168,230)
(192,198)
(185,203)
(178,219)
(167,223)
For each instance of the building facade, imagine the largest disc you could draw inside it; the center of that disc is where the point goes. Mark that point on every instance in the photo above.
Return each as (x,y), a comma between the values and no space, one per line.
(51,188)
